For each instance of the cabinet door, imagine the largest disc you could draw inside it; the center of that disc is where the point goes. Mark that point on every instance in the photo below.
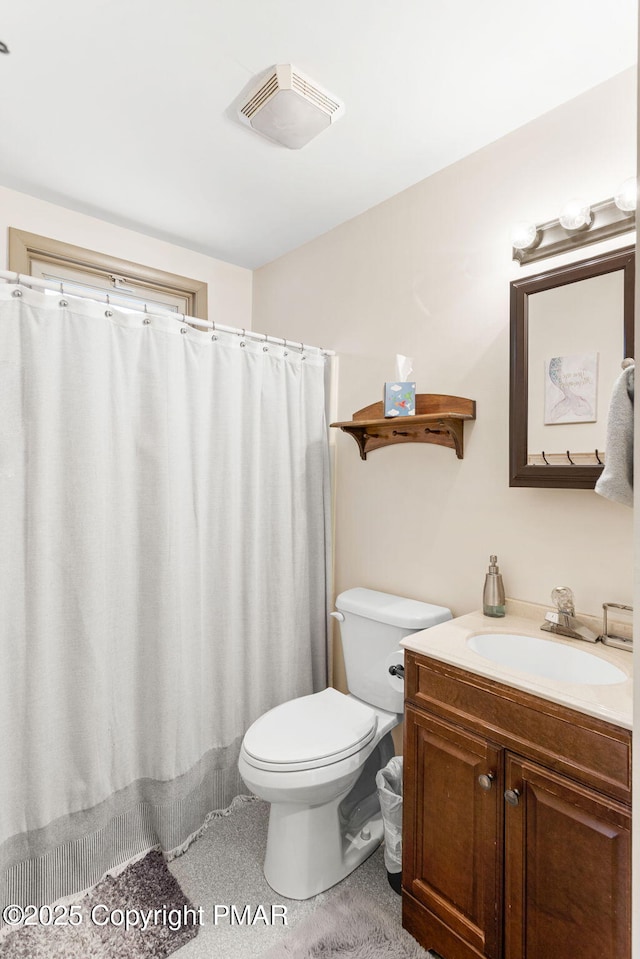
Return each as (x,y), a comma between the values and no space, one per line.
(451,848)
(567,868)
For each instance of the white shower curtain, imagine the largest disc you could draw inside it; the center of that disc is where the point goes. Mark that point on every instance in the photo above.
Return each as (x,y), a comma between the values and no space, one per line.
(164,518)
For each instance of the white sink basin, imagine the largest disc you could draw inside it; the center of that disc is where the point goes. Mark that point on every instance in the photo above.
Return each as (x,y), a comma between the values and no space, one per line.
(542,657)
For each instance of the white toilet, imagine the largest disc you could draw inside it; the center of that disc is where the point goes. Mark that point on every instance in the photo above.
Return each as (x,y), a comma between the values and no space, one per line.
(315,758)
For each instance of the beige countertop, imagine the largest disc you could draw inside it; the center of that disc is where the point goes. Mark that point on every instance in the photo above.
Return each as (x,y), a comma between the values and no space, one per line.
(447,642)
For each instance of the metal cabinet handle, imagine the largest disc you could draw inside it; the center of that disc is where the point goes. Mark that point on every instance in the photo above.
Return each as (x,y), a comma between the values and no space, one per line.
(512,796)
(486,781)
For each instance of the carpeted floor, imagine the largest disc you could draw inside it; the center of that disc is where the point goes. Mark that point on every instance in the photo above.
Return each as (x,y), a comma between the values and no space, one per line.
(224,868)
(220,879)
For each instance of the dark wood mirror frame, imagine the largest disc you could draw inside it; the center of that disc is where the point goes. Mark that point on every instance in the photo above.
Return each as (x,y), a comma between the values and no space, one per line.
(521,473)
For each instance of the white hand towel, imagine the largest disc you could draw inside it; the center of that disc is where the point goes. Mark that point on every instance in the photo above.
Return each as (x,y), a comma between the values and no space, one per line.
(616,480)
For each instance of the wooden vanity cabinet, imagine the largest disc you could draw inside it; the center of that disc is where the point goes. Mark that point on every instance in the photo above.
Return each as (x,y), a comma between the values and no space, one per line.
(517,822)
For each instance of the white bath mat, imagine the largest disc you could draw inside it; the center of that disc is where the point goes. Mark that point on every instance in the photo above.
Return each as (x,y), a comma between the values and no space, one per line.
(348,926)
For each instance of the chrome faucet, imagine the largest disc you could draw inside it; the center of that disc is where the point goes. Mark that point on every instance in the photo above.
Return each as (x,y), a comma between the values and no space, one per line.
(562,621)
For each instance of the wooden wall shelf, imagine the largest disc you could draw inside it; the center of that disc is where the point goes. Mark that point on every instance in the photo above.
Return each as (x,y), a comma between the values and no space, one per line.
(438,419)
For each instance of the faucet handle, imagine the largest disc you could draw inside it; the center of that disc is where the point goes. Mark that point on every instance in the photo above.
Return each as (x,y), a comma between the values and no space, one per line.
(559,617)
(562,596)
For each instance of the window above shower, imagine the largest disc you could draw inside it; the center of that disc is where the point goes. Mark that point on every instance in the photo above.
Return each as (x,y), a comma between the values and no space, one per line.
(89,273)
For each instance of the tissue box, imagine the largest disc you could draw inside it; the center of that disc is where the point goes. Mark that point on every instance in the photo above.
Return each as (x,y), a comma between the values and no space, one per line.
(399,399)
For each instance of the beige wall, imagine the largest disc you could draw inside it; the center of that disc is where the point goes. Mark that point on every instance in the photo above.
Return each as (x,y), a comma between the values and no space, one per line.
(427,274)
(229,294)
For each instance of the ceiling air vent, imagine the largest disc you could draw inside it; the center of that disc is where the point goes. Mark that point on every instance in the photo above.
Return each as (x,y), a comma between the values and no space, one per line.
(289,107)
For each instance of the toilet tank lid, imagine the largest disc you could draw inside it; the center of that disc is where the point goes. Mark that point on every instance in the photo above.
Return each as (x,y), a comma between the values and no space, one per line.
(390,609)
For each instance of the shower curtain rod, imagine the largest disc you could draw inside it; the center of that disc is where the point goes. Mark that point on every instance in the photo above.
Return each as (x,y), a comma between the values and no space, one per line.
(54,286)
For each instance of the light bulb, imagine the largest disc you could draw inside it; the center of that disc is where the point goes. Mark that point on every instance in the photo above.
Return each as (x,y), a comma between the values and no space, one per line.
(627,196)
(523,235)
(575,215)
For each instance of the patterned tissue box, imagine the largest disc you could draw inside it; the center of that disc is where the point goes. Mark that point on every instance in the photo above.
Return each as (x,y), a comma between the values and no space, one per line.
(399,399)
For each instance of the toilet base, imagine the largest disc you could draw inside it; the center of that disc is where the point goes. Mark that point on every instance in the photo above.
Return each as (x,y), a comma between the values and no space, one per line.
(307,852)
(312,847)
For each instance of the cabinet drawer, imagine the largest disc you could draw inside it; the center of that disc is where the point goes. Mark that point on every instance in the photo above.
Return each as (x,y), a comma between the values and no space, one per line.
(582,747)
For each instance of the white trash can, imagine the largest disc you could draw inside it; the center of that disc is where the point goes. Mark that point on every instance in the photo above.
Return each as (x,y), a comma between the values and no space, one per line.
(389,783)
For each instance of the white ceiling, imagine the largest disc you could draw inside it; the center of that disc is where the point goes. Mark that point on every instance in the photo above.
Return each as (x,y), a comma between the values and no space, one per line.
(125,109)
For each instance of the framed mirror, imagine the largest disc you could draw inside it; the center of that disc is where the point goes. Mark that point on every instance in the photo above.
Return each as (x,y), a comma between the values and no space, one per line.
(571,327)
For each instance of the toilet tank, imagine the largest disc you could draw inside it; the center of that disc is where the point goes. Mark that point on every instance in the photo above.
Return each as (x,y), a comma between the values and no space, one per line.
(371,630)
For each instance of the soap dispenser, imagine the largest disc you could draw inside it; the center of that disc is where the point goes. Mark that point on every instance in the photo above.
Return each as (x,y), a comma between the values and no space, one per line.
(493,596)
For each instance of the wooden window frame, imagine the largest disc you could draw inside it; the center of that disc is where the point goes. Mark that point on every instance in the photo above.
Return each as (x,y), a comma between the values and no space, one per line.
(26,247)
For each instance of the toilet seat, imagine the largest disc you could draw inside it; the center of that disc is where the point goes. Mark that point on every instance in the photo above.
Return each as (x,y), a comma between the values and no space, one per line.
(309,732)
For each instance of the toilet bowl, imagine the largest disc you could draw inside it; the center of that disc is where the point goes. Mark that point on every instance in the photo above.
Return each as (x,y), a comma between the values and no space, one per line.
(315,758)
(305,757)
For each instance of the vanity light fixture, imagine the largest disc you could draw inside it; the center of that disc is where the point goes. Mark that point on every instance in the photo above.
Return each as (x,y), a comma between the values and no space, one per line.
(579,224)
(626,199)
(575,215)
(524,235)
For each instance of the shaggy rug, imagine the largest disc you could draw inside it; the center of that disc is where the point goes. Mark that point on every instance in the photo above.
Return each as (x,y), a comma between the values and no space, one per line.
(140,914)
(349,926)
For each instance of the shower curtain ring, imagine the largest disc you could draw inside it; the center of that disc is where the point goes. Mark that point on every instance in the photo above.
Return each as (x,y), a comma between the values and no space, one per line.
(265,348)
(214,335)
(62,301)
(286,351)
(184,329)
(108,312)
(242,343)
